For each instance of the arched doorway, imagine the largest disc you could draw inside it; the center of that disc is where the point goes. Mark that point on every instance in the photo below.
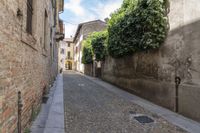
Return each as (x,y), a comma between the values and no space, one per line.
(68,65)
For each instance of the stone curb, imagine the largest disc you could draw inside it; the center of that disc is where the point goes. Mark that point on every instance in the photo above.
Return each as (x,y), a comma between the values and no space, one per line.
(51,116)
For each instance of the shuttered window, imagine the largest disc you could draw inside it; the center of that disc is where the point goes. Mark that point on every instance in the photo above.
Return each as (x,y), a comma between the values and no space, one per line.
(29,16)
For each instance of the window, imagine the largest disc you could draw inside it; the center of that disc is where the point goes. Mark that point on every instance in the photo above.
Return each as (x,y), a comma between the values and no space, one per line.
(68,44)
(29,16)
(68,54)
(51,33)
(62,51)
(45,29)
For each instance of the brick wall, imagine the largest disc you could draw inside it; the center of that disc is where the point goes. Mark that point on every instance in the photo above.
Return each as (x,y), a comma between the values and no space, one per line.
(24,65)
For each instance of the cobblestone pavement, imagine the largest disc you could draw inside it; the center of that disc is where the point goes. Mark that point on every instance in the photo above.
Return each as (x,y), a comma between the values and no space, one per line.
(91,108)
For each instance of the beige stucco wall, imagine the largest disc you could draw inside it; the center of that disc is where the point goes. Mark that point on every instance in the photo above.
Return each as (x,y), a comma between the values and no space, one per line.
(151,74)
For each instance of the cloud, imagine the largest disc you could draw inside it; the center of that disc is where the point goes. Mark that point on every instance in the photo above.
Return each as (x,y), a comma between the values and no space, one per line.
(75,7)
(79,11)
(70,30)
(103,10)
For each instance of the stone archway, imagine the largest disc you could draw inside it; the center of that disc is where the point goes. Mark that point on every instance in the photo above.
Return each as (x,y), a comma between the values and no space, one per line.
(68,65)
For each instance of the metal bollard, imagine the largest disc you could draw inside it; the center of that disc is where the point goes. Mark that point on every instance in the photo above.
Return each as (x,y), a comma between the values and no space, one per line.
(20,105)
(177,83)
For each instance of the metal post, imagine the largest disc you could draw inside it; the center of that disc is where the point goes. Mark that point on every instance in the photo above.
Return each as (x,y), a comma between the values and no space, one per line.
(94,65)
(177,82)
(94,69)
(20,105)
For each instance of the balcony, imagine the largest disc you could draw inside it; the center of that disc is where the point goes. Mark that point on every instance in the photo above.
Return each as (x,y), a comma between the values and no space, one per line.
(60,34)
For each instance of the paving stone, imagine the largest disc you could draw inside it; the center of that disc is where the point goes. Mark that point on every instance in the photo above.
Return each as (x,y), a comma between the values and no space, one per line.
(92,108)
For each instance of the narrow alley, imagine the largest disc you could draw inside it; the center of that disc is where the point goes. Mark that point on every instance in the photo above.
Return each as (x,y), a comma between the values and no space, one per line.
(100,66)
(93,108)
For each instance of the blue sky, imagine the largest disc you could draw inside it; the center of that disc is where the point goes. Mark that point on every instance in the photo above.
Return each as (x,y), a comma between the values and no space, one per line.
(78,11)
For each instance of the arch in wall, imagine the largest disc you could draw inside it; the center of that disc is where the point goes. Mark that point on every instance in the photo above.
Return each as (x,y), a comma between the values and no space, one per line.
(68,65)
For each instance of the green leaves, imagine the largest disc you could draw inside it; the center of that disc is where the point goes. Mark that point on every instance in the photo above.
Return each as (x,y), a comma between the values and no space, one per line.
(99,45)
(138,25)
(87,56)
(94,45)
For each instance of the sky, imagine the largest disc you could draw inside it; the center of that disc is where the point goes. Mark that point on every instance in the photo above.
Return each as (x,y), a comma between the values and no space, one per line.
(79,11)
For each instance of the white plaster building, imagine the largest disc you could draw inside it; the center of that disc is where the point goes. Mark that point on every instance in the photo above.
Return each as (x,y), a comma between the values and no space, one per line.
(83,30)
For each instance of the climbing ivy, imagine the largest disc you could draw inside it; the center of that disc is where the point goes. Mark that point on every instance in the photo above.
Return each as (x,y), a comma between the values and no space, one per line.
(137,26)
(94,45)
(87,56)
(99,45)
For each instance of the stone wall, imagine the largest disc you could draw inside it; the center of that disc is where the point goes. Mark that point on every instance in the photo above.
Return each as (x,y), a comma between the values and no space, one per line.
(88,69)
(24,64)
(151,74)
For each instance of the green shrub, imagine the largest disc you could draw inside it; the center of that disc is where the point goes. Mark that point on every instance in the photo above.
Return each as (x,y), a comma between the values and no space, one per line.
(137,26)
(87,54)
(99,45)
(95,44)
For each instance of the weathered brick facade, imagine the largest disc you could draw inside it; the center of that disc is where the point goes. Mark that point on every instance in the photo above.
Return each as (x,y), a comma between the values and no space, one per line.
(28,63)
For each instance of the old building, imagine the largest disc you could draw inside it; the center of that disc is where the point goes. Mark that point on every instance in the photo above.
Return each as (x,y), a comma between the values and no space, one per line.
(29,34)
(69,60)
(83,30)
(66,54)
(61,56)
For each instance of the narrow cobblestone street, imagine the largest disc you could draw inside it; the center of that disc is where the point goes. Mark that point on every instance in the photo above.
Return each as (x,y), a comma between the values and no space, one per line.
(100,66)
(91,108)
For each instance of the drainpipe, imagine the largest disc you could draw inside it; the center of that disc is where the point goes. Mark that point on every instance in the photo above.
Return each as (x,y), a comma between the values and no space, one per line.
(20,105)
(177,83)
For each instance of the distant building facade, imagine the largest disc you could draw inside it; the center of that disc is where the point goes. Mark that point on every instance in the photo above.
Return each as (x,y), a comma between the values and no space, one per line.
(29,36)
(62,56)
(83,30)
(66,54)
(69,60)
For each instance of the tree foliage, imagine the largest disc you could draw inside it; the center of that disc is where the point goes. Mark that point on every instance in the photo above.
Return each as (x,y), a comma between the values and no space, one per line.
(138,25)
(87,53)
(94,45)
(99,45)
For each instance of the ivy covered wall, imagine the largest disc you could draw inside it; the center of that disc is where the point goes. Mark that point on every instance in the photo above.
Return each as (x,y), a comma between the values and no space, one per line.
(150,73)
